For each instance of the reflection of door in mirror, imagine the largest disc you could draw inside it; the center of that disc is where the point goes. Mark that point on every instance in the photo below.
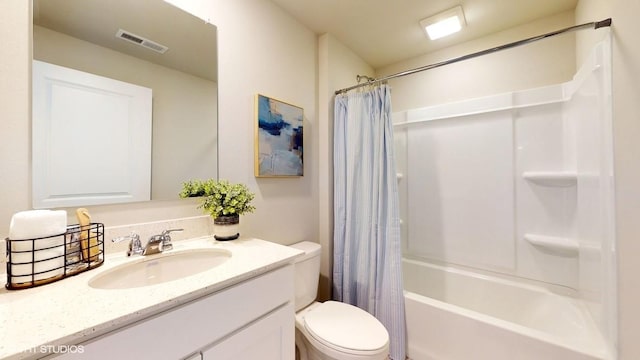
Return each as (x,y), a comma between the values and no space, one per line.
(82,34)
(91,139)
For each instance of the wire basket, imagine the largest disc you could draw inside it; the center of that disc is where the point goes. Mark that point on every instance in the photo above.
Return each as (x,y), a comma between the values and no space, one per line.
(40,261)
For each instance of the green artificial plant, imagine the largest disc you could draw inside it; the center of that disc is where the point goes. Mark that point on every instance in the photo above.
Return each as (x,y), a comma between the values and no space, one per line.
(219,197)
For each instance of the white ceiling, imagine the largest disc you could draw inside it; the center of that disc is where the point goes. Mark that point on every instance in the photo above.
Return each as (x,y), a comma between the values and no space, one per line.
(383,32)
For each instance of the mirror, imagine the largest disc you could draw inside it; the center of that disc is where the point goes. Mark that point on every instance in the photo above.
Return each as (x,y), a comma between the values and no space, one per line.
(84,35)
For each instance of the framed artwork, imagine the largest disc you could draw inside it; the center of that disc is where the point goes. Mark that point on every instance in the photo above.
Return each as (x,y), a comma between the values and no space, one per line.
(278,138)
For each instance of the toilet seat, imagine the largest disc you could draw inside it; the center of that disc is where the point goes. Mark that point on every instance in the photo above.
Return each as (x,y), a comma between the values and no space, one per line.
(346,328)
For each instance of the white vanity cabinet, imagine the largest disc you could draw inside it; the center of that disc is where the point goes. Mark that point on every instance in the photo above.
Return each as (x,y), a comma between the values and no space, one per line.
(253,319)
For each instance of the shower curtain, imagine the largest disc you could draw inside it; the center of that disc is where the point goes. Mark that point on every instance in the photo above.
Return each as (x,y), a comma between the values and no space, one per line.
(367,257)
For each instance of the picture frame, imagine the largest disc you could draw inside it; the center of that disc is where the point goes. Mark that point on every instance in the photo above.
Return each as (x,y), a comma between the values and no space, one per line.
(278,138)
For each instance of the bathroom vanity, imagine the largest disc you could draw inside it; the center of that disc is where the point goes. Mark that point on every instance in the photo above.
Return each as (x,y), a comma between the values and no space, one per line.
(239,309)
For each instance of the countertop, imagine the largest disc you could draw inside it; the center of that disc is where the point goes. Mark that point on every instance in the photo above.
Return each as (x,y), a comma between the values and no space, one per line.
(69,311)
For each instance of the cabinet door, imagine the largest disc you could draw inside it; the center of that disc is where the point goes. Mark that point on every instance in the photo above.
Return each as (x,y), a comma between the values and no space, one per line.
(270,338)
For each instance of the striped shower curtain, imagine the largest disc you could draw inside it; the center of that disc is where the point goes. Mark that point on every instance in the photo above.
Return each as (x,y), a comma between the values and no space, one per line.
(367,257)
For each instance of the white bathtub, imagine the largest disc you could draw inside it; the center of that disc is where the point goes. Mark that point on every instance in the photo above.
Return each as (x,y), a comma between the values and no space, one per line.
(455,314)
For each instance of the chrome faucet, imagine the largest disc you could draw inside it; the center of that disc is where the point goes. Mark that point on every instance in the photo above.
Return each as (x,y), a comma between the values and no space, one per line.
(155,245)
(166,239)
(135,245)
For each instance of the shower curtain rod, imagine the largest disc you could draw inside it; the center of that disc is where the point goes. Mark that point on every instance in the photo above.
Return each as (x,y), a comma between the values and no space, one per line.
(595,25)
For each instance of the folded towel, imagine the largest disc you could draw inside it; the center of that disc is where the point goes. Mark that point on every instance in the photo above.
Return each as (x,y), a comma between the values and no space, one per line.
(49,263)
(33,224)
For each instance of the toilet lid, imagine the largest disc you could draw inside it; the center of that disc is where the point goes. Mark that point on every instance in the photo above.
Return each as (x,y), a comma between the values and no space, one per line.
(346,326)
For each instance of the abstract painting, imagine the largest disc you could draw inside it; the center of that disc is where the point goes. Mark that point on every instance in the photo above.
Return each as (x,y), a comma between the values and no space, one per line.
(278,138)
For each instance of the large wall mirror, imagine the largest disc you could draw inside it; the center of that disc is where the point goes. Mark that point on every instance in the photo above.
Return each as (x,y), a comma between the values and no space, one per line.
(86,35)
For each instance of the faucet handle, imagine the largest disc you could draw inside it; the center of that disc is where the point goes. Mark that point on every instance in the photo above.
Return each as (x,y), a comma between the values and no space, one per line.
(135,245)
(167,232)
(166,239)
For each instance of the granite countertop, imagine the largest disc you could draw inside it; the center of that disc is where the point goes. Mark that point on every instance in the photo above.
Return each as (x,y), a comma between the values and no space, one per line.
(69,311)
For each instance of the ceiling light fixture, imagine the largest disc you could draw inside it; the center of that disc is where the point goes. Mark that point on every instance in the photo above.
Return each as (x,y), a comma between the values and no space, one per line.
(444,23)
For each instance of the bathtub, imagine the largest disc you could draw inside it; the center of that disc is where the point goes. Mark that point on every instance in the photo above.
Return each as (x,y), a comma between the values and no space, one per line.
(455,314)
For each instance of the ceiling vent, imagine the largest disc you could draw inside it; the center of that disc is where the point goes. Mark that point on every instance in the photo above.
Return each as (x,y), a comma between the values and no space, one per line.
(139,40)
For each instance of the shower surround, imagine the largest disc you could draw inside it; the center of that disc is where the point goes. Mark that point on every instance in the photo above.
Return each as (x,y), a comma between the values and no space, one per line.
(517,188)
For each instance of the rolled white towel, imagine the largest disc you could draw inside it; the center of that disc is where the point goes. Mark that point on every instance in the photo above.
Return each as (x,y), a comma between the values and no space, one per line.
(52,265)
(34,224)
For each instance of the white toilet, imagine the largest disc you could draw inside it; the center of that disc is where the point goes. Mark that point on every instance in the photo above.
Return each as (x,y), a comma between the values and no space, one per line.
(331,330)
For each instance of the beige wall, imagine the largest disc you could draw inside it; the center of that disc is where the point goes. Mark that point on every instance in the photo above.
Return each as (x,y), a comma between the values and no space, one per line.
(263,50)
(542,63)
(15,110)
(626,135)
(589,11)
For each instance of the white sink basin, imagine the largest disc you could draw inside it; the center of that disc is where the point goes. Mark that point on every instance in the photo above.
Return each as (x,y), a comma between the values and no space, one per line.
(156,269)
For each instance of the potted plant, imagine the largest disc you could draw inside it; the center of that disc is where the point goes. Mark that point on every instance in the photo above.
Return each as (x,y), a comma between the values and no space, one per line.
(225,202)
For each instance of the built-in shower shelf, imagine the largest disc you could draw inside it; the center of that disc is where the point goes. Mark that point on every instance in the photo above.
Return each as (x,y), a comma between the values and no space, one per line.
(554,244)
(551,178)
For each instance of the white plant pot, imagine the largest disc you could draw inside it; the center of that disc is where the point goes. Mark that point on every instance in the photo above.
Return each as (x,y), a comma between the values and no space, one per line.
(226,227)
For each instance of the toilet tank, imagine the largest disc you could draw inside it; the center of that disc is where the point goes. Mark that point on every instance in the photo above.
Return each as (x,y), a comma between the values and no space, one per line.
(307,273)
